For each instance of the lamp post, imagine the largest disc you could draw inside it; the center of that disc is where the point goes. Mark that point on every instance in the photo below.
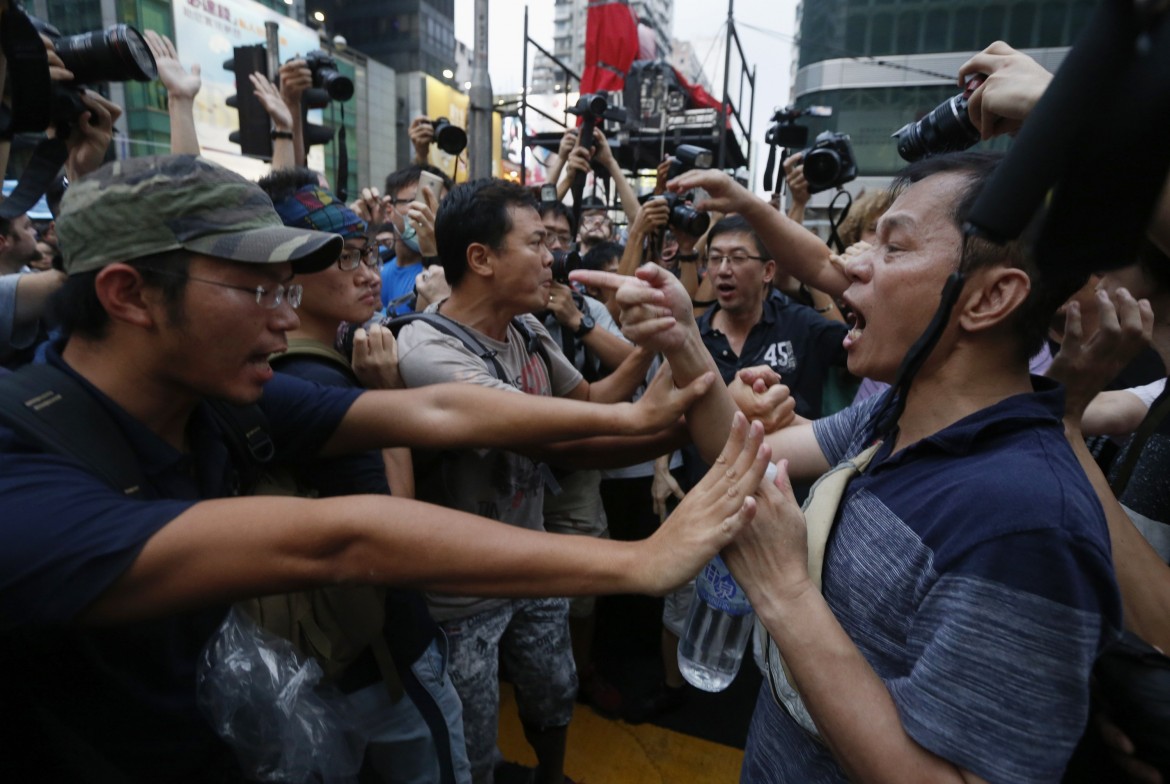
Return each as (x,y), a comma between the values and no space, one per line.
(480,99)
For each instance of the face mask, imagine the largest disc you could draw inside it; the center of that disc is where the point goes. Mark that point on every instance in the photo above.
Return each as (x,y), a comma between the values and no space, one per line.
(409,235)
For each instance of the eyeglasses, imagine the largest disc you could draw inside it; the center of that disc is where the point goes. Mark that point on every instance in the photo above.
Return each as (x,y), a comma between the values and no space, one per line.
(592,219)
(736,259)
(401,204)
(350,258)
(552,237)
(265,297)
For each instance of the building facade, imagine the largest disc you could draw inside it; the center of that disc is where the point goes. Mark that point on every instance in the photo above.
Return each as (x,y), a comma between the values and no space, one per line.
(883,63)
(404,35)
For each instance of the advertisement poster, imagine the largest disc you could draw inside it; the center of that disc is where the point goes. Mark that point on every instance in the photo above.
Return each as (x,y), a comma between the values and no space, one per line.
(206,31)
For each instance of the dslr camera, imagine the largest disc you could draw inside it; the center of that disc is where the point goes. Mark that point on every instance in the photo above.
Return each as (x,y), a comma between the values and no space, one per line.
(451,138)
(684,217)
(947,128)
(830,162)
(326,77)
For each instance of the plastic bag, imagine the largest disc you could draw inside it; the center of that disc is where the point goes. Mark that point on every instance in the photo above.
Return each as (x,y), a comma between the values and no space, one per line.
(267,702)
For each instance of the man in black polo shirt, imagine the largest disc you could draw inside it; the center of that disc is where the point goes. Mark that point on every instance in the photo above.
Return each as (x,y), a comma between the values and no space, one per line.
(180,289)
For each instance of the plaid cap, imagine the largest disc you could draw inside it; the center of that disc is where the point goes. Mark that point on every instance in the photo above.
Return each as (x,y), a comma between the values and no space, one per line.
(314,207)
(141,206)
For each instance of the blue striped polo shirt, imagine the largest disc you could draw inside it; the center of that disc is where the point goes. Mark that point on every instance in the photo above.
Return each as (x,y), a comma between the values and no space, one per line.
(973,571)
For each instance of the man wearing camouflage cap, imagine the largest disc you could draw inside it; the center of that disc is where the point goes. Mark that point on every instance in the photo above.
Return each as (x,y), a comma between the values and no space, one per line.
(180,287)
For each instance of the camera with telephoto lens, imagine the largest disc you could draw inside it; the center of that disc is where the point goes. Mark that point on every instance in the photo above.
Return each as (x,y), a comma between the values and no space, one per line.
(829,163)
(564,262)
(948,127)
(326,76)
(687,157)
(118,53)
(684,217)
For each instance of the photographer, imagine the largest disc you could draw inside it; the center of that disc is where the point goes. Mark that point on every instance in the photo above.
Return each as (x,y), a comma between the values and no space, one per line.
(581,160)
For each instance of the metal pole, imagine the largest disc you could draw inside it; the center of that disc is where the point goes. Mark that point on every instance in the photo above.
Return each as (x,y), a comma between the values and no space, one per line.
(726,84)
(272,50)
(524,107)
(480,97)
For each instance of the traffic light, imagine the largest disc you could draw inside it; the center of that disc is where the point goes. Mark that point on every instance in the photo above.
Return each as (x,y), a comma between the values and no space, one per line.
(254,135)
(315,98)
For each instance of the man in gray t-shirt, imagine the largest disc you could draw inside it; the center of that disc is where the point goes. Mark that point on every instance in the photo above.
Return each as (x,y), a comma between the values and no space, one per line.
(491,242)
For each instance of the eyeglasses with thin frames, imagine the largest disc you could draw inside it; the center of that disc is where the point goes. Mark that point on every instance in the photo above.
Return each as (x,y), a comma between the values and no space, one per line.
(350,258)
(736,259)
(267,298)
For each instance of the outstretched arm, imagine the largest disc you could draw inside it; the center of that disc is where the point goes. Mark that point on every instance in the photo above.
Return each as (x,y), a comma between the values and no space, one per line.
(228,549)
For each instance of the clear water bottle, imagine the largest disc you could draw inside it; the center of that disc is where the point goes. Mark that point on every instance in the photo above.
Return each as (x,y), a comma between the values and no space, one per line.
(716,634)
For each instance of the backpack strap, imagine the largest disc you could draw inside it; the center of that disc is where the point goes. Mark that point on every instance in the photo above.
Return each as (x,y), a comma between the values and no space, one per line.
(1158,412)
(46,406)
(246,432)
(305,347)
(456,330)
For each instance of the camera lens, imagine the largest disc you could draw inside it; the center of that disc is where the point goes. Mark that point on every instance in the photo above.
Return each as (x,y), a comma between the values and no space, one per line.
(338,85)
(822,168)
(451,138)
(116,54)
(563,263)
(689,220)
(948,128)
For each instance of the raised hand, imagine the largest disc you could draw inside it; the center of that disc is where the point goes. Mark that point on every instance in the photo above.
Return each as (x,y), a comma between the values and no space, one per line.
(794,176)
(272,101)
(181,84)
(712,514)
(655,308)
(91,134)
(421,133)
(724,194)
(422,217)
(771,404)
(295,78)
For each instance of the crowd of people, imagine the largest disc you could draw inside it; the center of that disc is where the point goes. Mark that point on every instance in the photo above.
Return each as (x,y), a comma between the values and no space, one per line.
(399,446)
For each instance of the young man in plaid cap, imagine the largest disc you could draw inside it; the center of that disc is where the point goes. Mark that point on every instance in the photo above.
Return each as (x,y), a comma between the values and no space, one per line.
(180,290)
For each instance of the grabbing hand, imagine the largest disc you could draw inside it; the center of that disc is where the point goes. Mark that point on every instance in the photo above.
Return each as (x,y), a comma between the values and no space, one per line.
(375,358)
(661,176)
(654,306)
(579,160)
(773,549)
(568,142)
(1014,83)
(57,70)
(181,84)
(602,151)
(768,401)
(663,404)
(851,254)
(706,521)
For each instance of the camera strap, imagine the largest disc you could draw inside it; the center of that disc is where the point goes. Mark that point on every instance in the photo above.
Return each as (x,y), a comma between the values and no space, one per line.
(769,168)
(887,416)
(28,69)
(342,160)
(38,175)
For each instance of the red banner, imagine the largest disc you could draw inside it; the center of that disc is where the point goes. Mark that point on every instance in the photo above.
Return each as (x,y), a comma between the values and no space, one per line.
(611,44)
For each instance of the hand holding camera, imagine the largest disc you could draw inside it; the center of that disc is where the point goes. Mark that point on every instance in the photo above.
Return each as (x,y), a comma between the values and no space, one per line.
(1013,82)
(294,77)
(422,217)
(794,176)
(422,134)
(724,194)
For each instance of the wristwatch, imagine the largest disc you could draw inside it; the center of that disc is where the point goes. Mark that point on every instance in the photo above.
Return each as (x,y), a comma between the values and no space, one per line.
(586,326)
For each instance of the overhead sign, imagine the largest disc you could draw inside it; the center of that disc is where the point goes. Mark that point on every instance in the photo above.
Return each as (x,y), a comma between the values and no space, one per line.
(703,119)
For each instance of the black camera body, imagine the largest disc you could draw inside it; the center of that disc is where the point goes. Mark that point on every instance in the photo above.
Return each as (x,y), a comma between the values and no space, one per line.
(784,131)
(564,262)
(830,162)
(947,128)
(684,217)
(326,76)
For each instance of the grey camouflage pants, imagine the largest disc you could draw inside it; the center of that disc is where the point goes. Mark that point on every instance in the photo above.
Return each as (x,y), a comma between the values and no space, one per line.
(532,637)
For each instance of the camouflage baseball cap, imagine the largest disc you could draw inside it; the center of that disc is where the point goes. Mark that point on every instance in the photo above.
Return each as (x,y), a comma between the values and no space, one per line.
(140,206)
